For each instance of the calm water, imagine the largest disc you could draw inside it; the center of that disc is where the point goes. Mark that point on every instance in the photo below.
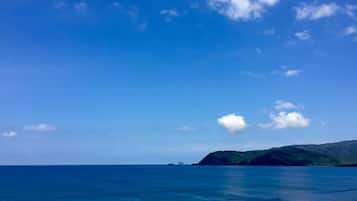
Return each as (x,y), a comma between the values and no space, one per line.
(176,183)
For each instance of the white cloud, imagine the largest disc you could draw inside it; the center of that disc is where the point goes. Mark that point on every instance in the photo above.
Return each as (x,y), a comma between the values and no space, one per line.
(314,12)
(241,9)
(169,14)
(291,72)
(185,129)
(284,105)
(9,134)
(287,120)
(40,127)
(232,122)
(80,6)
(350,10)
(351,30)
(303,35)
(286,72)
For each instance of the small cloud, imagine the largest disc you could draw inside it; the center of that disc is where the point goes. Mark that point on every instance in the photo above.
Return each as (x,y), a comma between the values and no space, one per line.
(185,129)
(286,72)
(283,120)
(169,14)
(303,35)
(314,12)
(40,127)
(351,10)
(351,30)
(232,122)
(291,73)
(284,105)
(80,6)
(241,10)
(9,134)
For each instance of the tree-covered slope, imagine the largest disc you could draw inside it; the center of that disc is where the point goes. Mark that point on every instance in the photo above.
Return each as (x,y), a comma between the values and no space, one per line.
(345,152)
(332,154)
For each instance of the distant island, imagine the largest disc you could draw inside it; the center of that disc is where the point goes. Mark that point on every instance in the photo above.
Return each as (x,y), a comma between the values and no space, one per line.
(330,154)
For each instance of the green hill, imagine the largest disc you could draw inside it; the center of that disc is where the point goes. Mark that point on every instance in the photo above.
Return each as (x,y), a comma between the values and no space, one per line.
(331,154)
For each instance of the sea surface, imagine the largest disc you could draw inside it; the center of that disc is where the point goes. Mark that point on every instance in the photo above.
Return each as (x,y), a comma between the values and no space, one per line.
(177,183)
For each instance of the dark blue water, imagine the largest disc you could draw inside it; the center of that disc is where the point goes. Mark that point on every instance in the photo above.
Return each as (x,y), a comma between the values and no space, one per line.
(177,183)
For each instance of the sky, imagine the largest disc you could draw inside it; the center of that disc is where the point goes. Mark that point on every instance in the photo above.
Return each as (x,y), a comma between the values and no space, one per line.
(143,82)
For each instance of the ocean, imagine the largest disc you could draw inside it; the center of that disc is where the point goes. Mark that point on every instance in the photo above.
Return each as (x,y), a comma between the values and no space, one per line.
(176,183)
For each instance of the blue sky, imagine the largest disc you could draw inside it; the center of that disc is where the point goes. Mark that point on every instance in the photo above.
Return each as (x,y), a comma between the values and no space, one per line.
(137,82)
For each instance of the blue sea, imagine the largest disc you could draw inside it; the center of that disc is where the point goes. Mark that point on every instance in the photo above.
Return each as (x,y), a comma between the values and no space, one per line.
(177,183)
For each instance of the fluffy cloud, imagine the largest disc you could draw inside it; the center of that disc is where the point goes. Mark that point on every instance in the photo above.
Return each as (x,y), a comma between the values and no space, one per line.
(292,72)
(241,9)
(169,14)
(350,30)
(284,105)
(286,72)
(40,127)
(303,35)
(350,10)
(314,12)
(287,120)
(232,122)
(9,134)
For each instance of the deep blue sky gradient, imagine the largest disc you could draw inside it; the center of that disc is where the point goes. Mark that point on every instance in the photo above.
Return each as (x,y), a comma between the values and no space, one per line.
(116,83)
